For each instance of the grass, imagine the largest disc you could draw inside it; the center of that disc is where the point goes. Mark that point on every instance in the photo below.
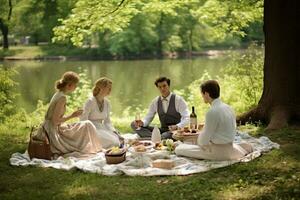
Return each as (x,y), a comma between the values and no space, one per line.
(60,50)
(47,50)
(274,175)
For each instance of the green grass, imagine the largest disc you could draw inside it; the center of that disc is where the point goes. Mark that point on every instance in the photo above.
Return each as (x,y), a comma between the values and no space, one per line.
(274,175)
(47,50)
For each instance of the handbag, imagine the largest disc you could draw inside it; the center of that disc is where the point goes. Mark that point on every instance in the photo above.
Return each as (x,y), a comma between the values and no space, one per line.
(40,148)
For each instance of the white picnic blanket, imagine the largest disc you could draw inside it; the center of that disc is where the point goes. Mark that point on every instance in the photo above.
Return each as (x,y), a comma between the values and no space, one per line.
(140,165)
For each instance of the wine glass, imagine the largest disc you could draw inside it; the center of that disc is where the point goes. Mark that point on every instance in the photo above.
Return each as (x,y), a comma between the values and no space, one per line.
(138,121)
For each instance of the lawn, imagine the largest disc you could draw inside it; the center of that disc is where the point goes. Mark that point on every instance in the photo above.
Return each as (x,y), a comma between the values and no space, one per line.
(47,50)
(275,175)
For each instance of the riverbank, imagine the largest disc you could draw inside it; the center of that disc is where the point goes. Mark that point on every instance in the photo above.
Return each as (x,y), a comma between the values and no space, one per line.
(49,52)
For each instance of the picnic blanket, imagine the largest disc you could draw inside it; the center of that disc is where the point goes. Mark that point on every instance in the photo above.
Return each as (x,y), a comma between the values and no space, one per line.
(140,165)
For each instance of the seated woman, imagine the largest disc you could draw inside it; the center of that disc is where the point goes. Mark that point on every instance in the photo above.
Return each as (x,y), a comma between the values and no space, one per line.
(97,110)
(76,139)
(215,142)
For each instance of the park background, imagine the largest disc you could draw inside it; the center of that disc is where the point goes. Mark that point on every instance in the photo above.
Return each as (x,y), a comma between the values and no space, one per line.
(133,43)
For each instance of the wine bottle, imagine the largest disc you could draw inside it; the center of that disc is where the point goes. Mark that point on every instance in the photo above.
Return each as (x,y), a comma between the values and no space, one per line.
(193,119)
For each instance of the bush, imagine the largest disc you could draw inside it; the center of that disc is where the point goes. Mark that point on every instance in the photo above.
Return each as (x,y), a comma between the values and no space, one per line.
(7,93)
(241,82)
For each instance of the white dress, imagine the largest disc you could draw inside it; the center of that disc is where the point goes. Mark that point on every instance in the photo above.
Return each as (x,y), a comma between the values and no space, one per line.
(101,120)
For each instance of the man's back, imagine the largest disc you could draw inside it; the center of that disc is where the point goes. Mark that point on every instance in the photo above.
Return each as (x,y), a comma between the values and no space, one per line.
(220,125)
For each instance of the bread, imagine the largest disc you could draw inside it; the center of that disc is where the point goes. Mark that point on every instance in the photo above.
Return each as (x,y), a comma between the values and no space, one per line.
(140,148)
(163,163)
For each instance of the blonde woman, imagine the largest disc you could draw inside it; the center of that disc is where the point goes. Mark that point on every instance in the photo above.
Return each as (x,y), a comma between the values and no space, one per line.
(76,139)
(97,110)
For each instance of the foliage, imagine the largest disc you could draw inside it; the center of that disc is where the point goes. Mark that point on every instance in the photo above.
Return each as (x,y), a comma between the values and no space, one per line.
(7,94)
(241,83)
(152,27)
(136,28)
(81,94)
(38,18)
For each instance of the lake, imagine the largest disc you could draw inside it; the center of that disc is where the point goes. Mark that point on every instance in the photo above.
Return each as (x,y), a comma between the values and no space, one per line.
(133,80)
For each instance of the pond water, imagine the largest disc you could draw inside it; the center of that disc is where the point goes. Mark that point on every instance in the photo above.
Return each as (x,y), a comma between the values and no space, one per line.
(133,80)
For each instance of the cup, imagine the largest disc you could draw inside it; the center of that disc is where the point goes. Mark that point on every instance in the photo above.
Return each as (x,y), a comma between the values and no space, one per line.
(138,121)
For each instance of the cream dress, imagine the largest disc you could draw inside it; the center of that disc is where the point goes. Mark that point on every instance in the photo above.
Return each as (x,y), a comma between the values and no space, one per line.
(101,120)
(76,139)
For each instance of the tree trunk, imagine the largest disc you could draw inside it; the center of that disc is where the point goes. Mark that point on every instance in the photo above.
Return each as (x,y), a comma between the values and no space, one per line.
(280,102)
(160,35)
(4,30)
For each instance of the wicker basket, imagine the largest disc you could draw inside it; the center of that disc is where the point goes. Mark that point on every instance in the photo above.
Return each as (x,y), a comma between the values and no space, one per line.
(115,158)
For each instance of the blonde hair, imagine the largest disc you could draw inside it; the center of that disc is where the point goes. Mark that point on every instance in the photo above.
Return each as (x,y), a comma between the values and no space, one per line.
(67,78)
(100,84)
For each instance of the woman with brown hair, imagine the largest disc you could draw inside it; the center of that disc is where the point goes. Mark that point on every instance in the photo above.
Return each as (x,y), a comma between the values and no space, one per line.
(97,110)
(76,139)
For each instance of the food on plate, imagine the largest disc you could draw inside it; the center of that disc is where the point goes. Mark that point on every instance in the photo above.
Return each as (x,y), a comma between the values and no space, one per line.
(140,148)
(159,146)
(145,143)
(186,129)
(115,150)
(170,145)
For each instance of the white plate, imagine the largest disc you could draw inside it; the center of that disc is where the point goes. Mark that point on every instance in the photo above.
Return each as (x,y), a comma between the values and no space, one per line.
(149,143)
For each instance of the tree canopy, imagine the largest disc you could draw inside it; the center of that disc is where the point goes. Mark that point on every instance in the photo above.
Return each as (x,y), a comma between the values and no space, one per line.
(173,24)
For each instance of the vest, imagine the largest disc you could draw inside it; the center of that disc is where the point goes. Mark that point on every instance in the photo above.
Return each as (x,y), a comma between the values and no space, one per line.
(171,117)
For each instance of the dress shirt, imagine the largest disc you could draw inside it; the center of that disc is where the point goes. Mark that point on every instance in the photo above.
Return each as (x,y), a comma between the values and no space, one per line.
(220,124)
(180,106)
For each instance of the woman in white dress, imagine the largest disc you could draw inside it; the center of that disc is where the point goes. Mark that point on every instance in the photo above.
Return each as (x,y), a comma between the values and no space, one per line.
(76,139)
(97,110)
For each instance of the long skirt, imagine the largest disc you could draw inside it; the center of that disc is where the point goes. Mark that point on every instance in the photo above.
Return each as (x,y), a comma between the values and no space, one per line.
(77,139)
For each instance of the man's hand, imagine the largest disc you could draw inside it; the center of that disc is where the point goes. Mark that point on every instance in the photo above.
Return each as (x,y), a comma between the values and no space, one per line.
(138,123)
(173,127)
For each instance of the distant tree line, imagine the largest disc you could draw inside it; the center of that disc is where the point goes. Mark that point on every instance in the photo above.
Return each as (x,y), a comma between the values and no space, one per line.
(123,27)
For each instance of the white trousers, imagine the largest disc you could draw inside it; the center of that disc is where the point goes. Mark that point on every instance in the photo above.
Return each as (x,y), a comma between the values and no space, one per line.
(214,152)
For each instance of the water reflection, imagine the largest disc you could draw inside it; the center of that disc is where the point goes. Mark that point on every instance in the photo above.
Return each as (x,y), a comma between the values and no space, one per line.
(133,81)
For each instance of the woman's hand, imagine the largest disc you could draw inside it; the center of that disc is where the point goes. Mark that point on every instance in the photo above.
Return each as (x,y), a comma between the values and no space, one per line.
(76,113)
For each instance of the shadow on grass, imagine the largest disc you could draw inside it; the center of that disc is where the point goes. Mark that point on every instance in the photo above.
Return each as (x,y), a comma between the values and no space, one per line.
(274,175)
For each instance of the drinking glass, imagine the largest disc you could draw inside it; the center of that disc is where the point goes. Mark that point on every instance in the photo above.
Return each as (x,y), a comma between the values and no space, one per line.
(138,120)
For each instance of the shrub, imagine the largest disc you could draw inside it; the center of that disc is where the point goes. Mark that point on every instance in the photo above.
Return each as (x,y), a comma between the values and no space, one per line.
(7,93)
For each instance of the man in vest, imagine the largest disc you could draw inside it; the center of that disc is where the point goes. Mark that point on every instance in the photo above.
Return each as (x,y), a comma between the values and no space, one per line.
(171,108)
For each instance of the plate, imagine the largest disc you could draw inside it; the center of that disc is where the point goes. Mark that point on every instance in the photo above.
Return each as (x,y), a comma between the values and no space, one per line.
(190,134)
(147,143)
(132,150)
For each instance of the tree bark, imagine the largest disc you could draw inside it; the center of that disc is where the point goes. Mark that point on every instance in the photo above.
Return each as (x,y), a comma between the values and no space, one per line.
(280,102)
(4,26)
(4,30)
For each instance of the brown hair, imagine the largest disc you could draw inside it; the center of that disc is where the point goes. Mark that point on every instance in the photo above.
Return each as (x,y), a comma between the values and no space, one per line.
(67,78)
(211,87)
(162,79)
(99,84)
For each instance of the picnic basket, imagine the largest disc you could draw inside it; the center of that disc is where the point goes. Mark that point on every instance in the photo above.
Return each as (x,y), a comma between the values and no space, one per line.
(115,158)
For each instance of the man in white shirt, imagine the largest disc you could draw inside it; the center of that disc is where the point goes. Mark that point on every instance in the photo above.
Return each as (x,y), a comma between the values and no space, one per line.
(215,142)
(172,111)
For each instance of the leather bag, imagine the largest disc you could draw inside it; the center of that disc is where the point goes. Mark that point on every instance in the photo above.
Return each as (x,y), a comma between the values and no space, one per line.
(39,148)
